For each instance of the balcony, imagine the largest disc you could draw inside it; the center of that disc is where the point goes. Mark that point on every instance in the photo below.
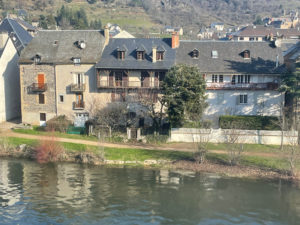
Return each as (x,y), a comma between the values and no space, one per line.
(77,87)
(78,105)
(129,84)
(38,87)
(249,86)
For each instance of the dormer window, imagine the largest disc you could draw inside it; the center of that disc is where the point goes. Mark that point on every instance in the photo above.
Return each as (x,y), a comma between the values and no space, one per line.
(121,52)
(140,52)
(76,61)
(37,59)
(160,53)
(160,56)
(246,54)
(214,54)
(195,54)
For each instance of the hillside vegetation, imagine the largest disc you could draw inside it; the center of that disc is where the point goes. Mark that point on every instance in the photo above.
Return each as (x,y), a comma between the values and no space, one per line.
(150,16)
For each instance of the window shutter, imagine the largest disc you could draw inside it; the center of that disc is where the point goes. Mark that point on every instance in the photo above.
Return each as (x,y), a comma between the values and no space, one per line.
(83,78)
(74,78)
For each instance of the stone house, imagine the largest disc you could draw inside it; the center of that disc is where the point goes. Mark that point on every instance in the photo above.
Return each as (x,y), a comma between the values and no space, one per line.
(58,75)
(241,77)
(13,39)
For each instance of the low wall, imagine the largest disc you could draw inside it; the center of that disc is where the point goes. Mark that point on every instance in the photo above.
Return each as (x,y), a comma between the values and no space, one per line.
(241,136)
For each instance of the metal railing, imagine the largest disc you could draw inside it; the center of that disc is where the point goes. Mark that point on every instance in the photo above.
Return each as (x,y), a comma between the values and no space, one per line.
(77,87)
(243,86)
(128,84)
(78,105)
(38,87)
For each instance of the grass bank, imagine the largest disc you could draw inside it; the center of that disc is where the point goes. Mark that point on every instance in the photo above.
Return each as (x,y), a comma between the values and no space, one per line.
(276,163)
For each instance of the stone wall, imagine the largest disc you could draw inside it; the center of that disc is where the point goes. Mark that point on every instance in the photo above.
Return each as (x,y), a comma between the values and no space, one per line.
(222,135)
(31,108)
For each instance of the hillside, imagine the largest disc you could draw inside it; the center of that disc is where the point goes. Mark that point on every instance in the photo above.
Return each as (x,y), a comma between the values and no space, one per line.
(150,16)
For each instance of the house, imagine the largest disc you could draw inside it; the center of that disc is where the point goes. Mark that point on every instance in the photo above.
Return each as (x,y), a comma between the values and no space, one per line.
(170,30)
(58,74)
(217,26)
(292,57)
(13,39)
(262,33)
(134,67)
(241,77)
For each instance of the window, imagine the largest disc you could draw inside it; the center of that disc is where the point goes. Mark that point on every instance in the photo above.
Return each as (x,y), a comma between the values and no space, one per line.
(214,54)
(61,98)
(233,79)
(41,99)
(246,54)
(251,39)
(140,55)
(76,61)
(160,56)
(243,99)
(42,116)
(37,59)
(243,79)
(121,55)
(214,78)
(221,79)
(195,54)
(241,38)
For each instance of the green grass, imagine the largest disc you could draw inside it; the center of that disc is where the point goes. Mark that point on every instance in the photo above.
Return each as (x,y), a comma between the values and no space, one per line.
(247,147)
(36,131)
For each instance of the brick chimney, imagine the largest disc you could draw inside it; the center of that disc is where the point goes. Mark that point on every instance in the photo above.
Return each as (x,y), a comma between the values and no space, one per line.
(3,39)
(154,54)
(175,40)
(106,35)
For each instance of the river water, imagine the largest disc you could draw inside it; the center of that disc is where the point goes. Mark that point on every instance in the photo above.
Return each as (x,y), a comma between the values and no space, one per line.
(66,193)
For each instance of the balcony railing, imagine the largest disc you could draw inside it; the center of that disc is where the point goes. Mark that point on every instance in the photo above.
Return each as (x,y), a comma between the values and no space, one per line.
(38,87)
(77,87)
(128,84)
(249,86)
(78,105)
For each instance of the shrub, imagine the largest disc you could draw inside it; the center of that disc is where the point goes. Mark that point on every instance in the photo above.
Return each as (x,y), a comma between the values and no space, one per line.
(249,122)
(156,139)
(48,150)
(58,123)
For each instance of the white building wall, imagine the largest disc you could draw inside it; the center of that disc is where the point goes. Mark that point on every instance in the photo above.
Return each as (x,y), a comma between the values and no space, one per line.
(9,83)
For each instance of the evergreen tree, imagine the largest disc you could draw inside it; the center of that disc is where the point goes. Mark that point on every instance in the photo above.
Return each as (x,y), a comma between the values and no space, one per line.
(184,93)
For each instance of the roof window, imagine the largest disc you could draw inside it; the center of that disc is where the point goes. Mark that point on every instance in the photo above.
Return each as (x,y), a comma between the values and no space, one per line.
(76,61)
(246,54)
(121,52)
(37,59)
(214,54)
(195,54)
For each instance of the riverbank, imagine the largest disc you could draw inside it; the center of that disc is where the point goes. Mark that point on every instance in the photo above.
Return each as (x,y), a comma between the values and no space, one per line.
(254,167)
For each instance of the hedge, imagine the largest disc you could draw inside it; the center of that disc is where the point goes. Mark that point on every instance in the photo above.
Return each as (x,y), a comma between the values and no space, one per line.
(249,122)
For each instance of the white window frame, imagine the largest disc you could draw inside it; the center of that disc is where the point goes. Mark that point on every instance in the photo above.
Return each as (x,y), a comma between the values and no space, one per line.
(243,99)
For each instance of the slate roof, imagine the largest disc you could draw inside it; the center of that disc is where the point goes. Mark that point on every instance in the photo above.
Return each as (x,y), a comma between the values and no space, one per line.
(60,47)
(262,60)
(259,30)
(109,57)
(20,36)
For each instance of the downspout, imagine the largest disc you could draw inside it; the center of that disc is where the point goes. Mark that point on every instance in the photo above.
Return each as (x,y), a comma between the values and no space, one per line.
(55,86)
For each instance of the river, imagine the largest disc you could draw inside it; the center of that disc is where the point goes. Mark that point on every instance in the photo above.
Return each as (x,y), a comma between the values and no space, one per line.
(66,193)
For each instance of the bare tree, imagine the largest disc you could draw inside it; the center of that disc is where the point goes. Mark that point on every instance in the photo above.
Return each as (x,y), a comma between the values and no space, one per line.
(201,145)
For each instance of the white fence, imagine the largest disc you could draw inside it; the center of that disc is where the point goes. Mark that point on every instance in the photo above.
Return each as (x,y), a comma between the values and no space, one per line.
(242,136)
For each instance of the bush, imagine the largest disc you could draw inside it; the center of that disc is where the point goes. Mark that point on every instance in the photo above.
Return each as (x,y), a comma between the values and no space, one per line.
(48,150)
(156,139)
(58,123)
(249,122)
(206,124)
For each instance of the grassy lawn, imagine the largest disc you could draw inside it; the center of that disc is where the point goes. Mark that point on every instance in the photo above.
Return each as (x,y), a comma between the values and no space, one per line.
(129,154)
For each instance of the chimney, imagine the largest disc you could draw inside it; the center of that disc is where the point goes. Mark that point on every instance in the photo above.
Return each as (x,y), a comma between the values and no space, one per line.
(175,40)
(106,35)
(3,39)
(154,54)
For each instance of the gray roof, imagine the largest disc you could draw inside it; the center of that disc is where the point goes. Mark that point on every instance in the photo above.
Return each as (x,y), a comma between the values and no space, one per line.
(109,57)
(263,56)
(20,36)
(60,47)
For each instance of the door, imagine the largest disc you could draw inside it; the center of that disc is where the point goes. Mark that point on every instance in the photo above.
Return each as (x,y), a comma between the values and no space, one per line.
(41,80)
(111,79)
(145,79)
(79,100)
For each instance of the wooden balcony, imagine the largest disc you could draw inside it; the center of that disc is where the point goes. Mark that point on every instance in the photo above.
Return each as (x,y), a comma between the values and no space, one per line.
(77,88)
(78,105)
(38,87)
(249,86)
(129,84)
